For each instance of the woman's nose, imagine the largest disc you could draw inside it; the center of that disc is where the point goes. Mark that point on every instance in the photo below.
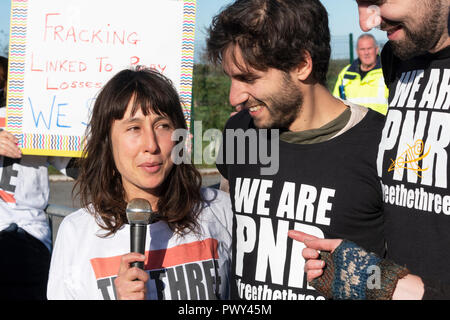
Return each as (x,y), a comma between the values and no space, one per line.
(150,142)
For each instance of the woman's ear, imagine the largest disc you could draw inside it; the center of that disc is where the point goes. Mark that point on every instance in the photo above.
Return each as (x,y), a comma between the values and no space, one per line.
(304,68)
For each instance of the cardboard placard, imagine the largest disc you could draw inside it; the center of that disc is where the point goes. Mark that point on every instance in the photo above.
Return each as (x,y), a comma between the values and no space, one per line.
(63,52)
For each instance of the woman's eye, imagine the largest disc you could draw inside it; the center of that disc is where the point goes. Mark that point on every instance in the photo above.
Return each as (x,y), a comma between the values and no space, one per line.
(164,126)
(134,128)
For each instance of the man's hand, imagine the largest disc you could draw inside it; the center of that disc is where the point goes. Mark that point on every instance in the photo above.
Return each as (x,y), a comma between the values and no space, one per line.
(8,145)
(314,266)
(131,282)
(343,270)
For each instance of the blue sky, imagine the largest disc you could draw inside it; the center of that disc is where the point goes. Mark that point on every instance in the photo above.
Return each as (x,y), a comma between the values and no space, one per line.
(343,18)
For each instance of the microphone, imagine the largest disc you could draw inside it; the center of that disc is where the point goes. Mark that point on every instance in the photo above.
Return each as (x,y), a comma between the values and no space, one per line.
(139,214)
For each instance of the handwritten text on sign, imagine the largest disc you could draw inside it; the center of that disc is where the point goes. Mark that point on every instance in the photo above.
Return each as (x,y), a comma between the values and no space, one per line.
(74,47)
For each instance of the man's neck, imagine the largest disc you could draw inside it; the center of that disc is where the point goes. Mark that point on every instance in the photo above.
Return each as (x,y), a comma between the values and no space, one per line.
(443,43)
(319,108)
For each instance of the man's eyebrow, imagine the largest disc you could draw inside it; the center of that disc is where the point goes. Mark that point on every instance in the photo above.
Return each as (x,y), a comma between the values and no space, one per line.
(247,76)
(243,76)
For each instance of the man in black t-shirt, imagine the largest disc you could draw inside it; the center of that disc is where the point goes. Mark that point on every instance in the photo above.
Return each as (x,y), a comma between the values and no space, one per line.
(294,157)
(414,153)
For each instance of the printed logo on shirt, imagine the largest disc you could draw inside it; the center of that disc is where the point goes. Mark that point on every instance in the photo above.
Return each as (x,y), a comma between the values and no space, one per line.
(276,267)
(185,272)
(417,135)
(429,122)
(412,156)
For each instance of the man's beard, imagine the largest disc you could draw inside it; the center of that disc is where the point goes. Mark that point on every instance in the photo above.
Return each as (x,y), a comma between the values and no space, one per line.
(283,106)
(419,39)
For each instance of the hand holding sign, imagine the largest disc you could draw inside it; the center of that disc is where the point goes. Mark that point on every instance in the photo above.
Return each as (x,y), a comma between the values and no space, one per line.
(8,145)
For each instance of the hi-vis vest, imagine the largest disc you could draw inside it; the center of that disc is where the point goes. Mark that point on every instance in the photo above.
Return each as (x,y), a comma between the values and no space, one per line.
(370,92)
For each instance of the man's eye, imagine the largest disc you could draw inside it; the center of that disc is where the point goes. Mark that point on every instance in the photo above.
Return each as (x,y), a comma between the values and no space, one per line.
(248,79)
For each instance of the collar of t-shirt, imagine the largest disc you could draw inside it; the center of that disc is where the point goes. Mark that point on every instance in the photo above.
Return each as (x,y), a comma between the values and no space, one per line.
(346,120)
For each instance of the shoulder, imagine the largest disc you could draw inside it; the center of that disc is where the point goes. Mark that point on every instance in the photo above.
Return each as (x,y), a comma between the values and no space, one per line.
(216,198)
(75,223)
(78,216)
(371,122)
(360,113)
(345,69)
(370,129)
(364,125)
(375,119)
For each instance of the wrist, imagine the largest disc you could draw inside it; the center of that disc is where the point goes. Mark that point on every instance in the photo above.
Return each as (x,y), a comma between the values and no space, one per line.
(410,287)
(353,273)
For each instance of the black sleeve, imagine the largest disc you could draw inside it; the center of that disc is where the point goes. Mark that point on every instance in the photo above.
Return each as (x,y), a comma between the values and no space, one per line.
(436,290)
(72,168)
(241,120)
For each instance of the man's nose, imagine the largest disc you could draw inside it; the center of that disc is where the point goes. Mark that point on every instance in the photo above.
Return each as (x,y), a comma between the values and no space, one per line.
(369,16)
(238,93)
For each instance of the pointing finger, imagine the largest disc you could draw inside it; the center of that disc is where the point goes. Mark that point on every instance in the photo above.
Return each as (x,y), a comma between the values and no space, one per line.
(300,236)
(323,244)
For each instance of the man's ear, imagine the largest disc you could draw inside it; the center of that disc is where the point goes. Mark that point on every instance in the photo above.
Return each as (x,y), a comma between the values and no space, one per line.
(304,68)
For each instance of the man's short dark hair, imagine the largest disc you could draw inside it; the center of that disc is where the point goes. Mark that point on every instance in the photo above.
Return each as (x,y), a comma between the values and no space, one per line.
(273,34)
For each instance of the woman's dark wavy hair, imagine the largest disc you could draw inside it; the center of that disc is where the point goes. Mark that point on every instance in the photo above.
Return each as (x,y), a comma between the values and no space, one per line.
(3,79)
(273,34)
(100,184)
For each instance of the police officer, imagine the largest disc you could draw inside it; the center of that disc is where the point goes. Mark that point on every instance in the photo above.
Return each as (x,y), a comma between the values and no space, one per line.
(362,81)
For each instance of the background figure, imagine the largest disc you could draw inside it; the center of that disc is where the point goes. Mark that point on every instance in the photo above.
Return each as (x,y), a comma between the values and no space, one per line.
(129,154)
(362,81)
(25,237)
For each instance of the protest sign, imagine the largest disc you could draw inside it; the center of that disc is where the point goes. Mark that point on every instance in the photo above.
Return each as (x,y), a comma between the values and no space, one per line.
(63,52)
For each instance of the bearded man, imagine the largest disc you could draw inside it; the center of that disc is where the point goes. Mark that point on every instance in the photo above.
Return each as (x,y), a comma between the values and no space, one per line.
(276,53)
(413,160)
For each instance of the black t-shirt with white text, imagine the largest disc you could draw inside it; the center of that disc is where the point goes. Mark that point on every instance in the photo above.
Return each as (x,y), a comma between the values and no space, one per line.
(413,162)
(329,189)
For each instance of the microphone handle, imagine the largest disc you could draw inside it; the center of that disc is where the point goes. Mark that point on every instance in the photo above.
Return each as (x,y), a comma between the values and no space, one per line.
(137,242)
